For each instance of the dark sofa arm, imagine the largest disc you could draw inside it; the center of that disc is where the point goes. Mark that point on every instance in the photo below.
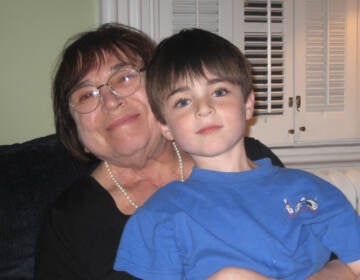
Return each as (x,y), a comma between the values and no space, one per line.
(32,175)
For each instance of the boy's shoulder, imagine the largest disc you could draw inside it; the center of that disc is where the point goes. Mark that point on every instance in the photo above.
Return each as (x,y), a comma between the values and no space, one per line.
(163,197)
(303,185)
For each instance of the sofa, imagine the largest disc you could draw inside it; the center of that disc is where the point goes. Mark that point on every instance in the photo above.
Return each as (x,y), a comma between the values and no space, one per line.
(35,172)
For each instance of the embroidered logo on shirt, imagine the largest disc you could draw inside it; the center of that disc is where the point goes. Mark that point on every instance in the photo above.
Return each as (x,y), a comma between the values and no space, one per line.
(303,204)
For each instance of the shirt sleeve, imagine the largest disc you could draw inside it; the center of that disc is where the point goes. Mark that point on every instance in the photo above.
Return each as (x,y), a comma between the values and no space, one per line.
(342,235)
(148,247)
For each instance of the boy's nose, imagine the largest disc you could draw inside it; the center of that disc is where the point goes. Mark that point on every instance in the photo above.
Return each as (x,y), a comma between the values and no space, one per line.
(204,109)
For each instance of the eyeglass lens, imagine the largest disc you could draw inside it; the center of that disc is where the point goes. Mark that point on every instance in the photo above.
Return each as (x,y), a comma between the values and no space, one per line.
(122,83)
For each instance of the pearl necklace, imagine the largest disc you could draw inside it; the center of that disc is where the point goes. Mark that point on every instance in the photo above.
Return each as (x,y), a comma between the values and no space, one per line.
(125,193)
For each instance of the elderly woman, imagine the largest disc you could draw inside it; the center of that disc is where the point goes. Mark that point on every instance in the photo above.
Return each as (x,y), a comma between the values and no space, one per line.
(101,111)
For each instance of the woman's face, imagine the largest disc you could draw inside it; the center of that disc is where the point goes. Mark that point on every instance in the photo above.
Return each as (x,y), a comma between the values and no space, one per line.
(119,128)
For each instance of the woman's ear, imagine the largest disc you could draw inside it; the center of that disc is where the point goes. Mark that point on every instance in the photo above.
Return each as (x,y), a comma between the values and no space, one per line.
(166,132)
(249,105)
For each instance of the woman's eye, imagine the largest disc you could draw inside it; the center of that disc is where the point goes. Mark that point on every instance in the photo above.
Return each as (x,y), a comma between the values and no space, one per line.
(182,102)
(120,80)
(220,92)
(84,95)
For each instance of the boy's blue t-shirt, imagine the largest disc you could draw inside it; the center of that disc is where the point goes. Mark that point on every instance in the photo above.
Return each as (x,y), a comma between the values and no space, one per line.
(282,223)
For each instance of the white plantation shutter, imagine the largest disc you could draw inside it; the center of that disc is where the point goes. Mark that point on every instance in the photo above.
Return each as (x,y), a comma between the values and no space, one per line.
(263,44)
(304,53)
(195,13)
(326,75)
(325,55)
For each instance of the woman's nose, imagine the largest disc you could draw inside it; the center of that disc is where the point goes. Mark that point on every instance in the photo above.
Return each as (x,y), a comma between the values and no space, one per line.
(110,98)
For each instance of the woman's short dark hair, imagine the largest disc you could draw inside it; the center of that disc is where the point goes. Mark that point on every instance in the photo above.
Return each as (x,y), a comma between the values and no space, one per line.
(186,55)
(81,54)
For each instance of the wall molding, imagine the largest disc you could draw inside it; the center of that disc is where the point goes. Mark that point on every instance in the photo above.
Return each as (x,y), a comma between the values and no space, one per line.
(320,156)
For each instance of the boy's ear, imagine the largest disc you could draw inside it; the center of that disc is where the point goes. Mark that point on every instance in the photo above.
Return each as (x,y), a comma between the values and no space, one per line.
(249,105)
(166,132)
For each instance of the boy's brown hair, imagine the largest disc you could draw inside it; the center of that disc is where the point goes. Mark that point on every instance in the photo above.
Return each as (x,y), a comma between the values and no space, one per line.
(185,56)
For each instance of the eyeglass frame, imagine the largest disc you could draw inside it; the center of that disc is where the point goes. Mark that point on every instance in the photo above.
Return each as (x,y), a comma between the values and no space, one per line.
(111,89)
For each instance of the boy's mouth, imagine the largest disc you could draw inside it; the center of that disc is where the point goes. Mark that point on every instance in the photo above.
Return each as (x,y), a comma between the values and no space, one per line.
(208,129)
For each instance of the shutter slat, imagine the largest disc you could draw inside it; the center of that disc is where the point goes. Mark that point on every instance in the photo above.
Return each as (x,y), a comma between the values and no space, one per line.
(196,13)
(325,56)
(269,101)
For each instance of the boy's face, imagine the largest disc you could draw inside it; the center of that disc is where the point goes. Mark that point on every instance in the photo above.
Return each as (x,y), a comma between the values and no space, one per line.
(206,117)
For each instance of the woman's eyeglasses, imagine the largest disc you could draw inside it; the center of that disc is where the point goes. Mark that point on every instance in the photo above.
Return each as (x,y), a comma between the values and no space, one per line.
(121,83)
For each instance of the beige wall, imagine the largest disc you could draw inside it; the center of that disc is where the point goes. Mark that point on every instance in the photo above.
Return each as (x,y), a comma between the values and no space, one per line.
(32,34)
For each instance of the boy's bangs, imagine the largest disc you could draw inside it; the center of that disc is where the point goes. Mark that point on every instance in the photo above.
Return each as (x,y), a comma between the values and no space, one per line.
(226,72)
(185,72)
(196,69)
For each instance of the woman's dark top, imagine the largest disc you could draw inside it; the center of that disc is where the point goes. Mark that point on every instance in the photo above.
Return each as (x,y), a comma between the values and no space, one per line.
(81,232)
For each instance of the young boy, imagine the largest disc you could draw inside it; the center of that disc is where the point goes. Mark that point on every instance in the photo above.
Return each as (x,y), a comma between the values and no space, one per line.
(230,212)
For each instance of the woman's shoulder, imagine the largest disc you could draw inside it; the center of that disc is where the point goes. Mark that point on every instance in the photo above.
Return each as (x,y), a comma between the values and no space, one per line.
(85,203)
(80,232)
(82,192)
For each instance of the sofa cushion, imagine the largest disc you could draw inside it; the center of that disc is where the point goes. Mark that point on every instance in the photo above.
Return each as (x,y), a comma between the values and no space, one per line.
(32,175)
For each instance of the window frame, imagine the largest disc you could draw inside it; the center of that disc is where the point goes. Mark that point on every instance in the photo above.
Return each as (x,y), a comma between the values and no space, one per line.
(153,16)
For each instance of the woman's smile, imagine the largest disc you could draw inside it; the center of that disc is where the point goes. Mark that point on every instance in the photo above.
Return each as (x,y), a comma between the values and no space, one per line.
(124,120)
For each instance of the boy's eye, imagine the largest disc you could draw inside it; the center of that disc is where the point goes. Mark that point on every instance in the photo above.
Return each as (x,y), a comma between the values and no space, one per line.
(182,102)
(220,92)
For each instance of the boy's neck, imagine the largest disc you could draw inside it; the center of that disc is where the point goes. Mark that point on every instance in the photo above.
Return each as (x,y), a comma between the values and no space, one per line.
(235,160)
(216,166)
